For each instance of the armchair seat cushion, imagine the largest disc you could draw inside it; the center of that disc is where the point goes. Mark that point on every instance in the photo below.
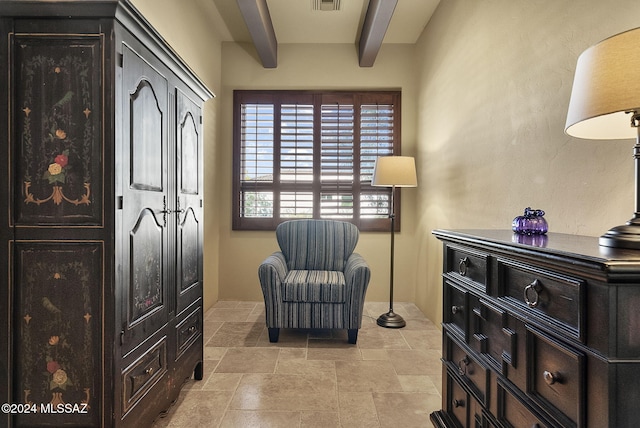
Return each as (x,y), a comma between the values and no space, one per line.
(314,286)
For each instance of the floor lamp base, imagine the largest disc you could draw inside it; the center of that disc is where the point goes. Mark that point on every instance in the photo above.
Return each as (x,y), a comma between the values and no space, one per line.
(391,320)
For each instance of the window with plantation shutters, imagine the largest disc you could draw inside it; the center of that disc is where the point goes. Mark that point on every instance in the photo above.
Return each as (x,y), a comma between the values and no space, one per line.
(337,152)
(308,154)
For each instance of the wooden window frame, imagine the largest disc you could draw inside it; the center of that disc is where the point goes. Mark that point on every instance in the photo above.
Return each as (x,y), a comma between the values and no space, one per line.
(360,182)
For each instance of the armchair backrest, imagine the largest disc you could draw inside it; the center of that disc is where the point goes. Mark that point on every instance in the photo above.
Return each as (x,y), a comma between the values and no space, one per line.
(317,244)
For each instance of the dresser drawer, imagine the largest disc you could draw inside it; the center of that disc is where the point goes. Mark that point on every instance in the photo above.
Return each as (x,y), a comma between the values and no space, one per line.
(469,265)
(472,373)
(556,378)
(458,402)
(462,409)
(456,314)
(552,298)
(512,412)
(493,335)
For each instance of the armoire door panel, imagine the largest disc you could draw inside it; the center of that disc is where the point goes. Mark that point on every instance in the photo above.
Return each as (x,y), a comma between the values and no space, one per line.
(56,129)
(145,138)
(190,224)
(146,279)
(58,294)
(189,251)
(145,202)
(189,153)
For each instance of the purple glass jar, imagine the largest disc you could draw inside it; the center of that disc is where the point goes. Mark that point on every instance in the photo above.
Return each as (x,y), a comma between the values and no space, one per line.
(532,222)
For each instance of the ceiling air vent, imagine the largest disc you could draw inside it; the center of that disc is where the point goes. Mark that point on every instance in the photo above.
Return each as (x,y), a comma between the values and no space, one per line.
(325,5)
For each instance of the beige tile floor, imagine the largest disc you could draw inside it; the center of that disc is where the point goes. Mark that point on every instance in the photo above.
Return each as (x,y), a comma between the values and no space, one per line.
(312,378)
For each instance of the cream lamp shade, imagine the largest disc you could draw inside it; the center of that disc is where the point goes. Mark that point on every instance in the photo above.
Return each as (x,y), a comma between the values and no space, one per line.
(398,171)
(606,87)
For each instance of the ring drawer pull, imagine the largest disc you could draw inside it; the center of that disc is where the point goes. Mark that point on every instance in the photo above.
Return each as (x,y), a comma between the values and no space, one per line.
(463,265)
(462,365)
(551,378)
(456,309)
(533,290)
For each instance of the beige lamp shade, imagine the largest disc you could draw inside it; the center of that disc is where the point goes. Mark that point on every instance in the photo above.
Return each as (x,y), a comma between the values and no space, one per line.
(606,86)
(398,171)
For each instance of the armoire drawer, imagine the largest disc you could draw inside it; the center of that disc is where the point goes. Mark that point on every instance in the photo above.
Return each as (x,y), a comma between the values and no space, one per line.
(143,374)
(550,297)
(469,264)
(556,378)
(188,330)
(468,369)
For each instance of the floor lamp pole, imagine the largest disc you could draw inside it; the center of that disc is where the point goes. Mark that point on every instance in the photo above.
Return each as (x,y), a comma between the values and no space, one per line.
(391,319)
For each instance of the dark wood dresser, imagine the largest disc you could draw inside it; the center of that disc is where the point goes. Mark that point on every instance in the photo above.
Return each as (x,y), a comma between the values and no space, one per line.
(101,216)
(538,331)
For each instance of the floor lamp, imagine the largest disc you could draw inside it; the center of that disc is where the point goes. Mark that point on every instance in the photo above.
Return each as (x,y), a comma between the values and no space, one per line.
(393,171)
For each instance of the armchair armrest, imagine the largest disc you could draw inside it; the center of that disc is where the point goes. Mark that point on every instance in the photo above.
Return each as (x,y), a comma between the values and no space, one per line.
(357,273)
(271,273)
(356,276)
(275,262)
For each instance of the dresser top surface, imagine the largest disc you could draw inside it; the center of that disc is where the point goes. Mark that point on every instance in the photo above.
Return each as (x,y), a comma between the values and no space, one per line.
(585,248)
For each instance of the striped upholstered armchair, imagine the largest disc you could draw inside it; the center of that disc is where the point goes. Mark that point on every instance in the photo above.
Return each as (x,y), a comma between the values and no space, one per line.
(316,280)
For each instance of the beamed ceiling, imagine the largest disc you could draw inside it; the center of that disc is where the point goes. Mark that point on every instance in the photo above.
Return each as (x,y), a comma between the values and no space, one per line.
(366,23)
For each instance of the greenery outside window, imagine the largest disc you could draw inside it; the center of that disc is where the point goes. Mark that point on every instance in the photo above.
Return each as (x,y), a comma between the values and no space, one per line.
(310,154)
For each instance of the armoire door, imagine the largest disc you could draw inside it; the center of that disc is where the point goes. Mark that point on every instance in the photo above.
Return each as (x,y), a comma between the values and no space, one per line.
(146,206)
(190,212)
(54,282)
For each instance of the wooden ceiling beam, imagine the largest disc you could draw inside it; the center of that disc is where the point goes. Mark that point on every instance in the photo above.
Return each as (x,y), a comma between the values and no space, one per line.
(256,16)
(375,26)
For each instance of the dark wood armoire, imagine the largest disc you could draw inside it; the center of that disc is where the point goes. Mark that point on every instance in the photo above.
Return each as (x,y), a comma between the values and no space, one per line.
(101,216)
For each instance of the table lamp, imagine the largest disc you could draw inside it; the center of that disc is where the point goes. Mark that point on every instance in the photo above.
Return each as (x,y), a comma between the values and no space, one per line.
(605,105)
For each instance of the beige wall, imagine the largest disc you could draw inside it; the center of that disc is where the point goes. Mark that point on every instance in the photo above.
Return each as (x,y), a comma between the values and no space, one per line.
(495,79)
(316,67)
(186,26)
(231,257)
(485,93)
